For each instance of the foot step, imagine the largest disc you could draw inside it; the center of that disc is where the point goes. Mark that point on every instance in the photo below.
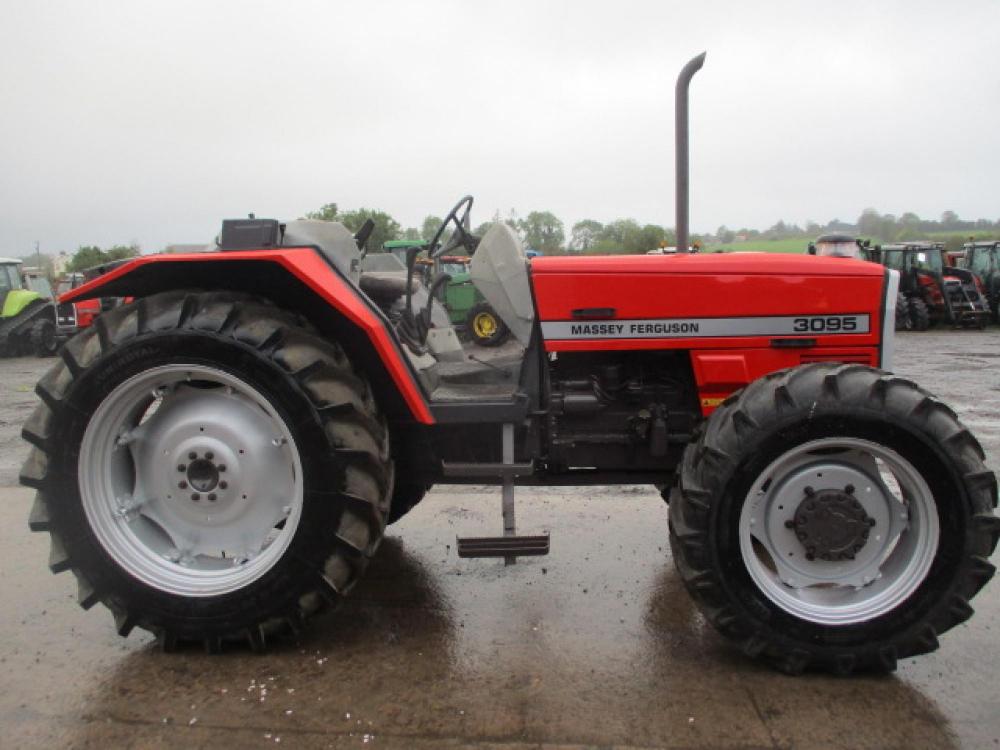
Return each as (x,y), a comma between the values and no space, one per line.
(503,546)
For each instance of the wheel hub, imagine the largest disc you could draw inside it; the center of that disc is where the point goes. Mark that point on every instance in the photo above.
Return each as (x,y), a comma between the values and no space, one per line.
(203,475)
(831,524)
(190,479)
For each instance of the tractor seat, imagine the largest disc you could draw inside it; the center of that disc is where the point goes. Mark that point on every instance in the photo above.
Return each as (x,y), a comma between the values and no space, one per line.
(385,287)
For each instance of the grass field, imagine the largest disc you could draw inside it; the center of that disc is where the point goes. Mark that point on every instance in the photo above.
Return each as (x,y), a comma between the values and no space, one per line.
(767,246)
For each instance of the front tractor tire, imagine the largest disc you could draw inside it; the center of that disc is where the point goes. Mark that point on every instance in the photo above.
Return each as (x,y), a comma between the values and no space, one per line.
(42,337)
(208,467)
(834,517)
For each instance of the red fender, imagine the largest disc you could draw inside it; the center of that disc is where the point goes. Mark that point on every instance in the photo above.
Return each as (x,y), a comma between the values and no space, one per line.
(157,273)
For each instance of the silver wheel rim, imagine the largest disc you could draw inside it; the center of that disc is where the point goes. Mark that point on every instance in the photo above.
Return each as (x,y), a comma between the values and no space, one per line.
(889,566)
(190,480)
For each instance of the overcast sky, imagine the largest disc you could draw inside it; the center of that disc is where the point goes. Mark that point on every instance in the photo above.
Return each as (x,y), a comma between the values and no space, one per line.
(150,122)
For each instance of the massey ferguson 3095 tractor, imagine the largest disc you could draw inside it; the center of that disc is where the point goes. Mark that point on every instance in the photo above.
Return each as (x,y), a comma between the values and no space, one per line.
(218,459)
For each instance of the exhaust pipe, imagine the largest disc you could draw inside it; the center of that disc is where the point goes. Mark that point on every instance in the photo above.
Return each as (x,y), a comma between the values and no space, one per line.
(681,147)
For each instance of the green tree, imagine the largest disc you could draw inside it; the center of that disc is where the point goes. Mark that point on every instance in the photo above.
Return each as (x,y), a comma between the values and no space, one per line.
(542,231)
(327,212)
(869,223)
(584,234)
(619,233)
(411,233)
(429,227)
(650,237)
(386,227)
(88,256)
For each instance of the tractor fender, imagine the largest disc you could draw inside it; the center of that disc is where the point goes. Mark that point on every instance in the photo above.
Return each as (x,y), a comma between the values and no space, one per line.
(16,301)
(297,279)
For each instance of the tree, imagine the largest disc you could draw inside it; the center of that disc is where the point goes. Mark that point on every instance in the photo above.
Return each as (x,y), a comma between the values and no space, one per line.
(725,235)
(869,223)
(327,212)
(429,227)
(411,233)
(949,220)
(542,231)
(386,227)
(584,234)
(90,255)
(650,237)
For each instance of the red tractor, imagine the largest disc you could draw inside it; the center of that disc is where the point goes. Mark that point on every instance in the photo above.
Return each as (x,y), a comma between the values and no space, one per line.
(218,459)
(72,317)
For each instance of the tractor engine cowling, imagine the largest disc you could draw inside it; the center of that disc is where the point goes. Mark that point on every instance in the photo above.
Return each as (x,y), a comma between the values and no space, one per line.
(735,317)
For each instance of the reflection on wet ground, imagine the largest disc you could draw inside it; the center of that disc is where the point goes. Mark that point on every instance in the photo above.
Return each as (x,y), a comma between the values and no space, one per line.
(596,645)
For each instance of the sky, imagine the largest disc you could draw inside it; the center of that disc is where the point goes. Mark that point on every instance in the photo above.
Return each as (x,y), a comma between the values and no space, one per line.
(150,122)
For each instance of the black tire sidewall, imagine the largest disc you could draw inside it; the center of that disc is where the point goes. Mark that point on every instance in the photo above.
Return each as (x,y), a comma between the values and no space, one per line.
(953,519)
(279,587)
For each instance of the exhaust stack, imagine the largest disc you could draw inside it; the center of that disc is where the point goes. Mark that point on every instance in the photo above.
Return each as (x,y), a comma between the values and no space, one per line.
(681,147)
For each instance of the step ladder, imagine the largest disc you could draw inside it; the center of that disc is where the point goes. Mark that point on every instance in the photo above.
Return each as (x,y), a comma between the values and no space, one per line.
(510,546)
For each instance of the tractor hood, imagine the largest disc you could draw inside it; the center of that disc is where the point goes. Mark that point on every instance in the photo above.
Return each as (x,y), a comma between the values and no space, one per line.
(696,301)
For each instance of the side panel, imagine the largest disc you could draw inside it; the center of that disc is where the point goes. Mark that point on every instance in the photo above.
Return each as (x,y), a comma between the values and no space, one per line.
(740,318)
(155,273)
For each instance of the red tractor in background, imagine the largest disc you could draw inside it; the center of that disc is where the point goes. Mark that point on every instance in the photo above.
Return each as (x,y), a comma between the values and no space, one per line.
(72,317)
(218,459)
(936,291)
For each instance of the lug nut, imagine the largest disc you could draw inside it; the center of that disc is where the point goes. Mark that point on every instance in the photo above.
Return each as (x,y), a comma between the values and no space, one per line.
(212,498)
(210,455)
(789,524)
(871,521)
(849,489)
(183,485)
(223,485)
(221,467)
(809,491)
(192,456)
(181,467)
(196,497)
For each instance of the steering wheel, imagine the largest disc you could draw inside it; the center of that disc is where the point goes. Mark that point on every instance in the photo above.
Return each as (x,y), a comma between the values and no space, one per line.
(461,237)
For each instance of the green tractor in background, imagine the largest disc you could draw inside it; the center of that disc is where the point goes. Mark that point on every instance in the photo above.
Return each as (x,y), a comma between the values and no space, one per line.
(467,309)
(28,317)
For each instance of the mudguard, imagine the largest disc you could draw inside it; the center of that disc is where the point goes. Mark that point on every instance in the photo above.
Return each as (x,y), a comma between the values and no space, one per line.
(295,278)
(16,301)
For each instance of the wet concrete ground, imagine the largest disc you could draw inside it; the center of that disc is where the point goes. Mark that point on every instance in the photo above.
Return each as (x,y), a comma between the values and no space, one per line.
(596,645)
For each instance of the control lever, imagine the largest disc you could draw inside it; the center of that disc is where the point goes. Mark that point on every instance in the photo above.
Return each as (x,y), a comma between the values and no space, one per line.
(439,280)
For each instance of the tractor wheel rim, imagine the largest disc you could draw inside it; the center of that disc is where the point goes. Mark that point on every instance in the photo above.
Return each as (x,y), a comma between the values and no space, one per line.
(485,325)
(190,480)
(882,565)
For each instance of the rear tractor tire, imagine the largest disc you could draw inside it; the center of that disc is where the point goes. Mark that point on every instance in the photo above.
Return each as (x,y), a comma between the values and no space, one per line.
(920,316)
(903,320)
(208,467)
(834,517)
(485,326)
